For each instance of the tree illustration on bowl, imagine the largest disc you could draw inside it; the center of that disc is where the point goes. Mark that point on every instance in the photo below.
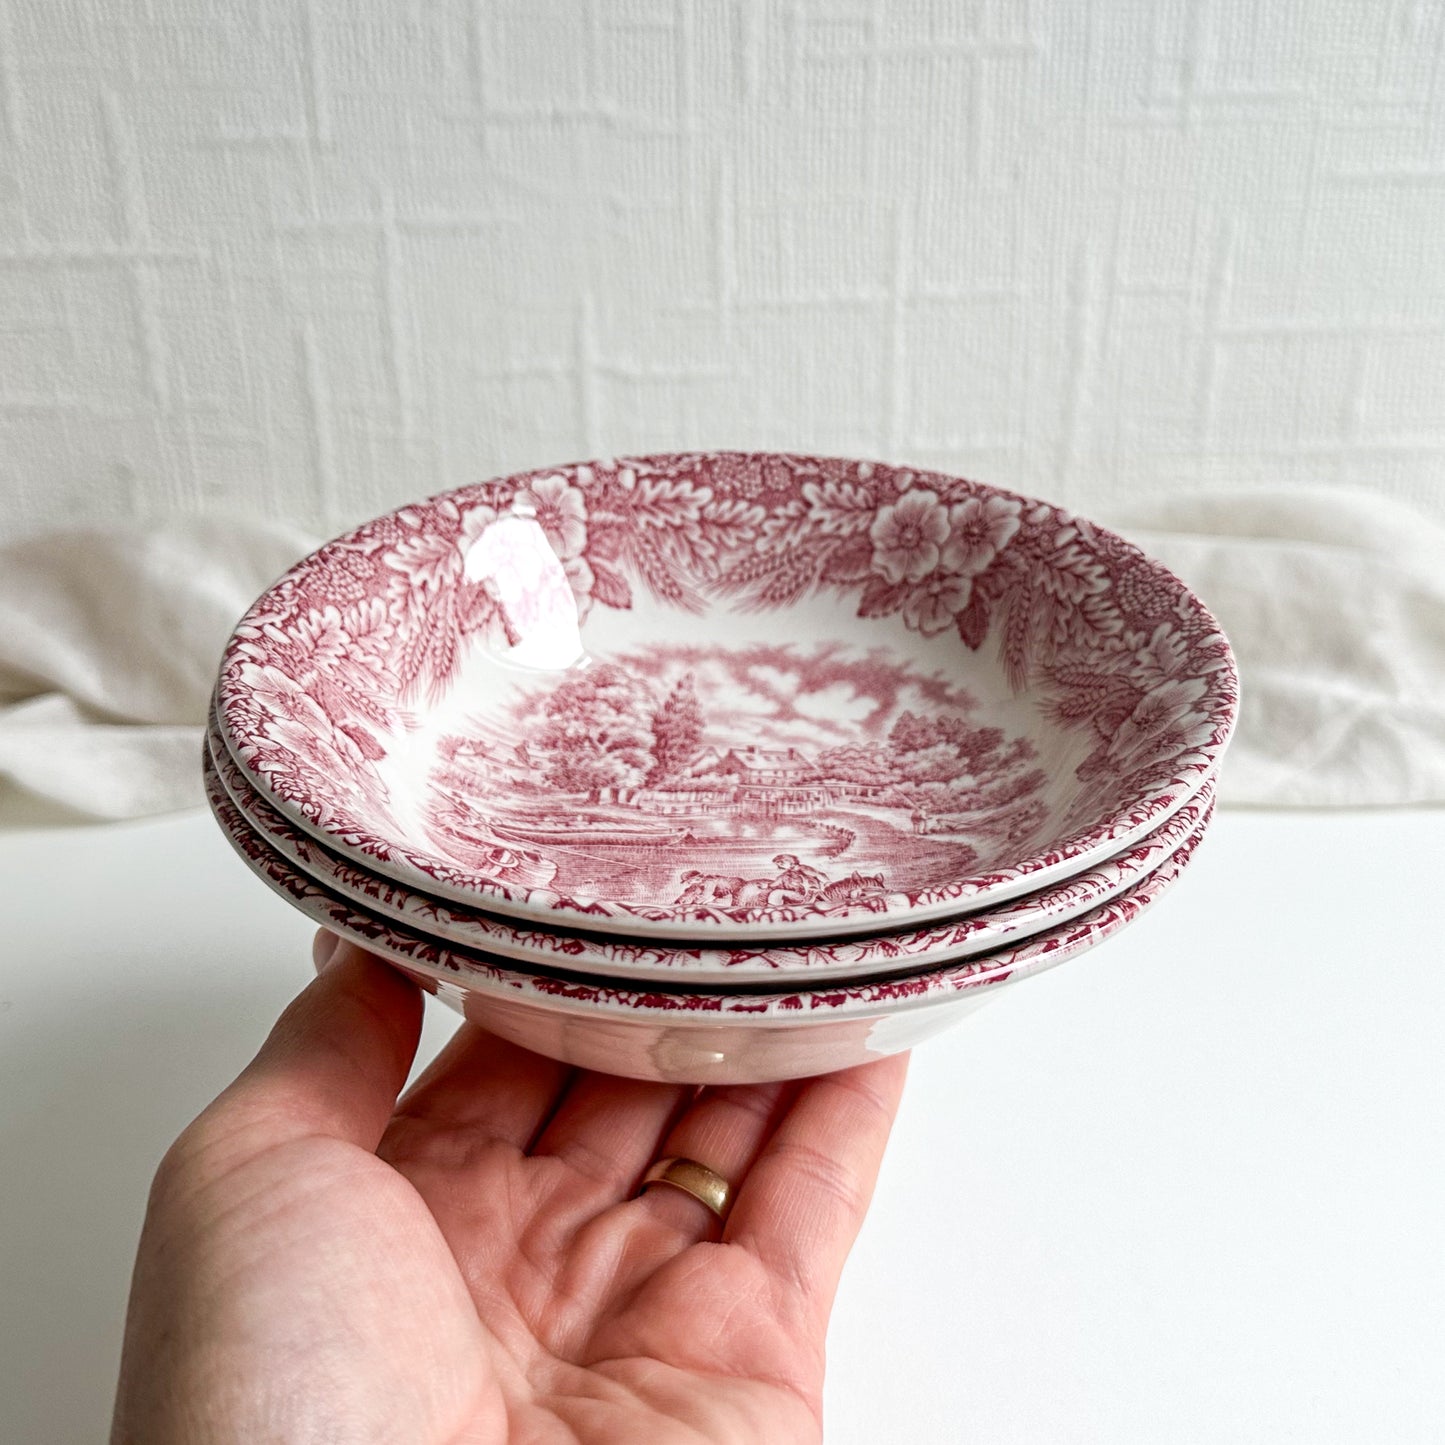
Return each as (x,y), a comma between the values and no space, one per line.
(738,779)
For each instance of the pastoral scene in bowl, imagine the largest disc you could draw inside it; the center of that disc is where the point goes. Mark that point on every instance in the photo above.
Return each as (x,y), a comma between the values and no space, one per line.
(710,777)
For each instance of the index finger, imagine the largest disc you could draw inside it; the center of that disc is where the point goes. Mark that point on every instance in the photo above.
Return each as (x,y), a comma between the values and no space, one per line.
(803,1202)
(337,1057)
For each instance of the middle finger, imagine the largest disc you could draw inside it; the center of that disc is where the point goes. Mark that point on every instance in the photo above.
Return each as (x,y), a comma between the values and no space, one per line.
(479,1088)
(604,1131)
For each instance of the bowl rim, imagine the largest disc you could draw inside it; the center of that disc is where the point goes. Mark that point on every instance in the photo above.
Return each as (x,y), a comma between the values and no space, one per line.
(845,959)
(473,971)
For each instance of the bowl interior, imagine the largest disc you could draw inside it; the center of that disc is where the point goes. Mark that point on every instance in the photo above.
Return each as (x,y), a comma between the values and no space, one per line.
(686,693)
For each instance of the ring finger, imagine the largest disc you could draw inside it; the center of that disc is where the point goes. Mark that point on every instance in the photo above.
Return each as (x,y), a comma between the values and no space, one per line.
(724,1130)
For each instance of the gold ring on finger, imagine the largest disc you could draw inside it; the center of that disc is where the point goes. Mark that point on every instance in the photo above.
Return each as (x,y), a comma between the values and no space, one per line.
(705,1185)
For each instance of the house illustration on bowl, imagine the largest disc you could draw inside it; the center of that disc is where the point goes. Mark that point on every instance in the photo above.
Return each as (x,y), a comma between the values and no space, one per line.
(764,779)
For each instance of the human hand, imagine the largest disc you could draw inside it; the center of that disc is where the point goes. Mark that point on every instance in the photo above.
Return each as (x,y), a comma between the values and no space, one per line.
(321,1262)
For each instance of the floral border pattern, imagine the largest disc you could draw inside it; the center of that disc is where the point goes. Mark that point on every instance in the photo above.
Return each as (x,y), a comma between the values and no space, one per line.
(478,972)
(941,943)
(331,659)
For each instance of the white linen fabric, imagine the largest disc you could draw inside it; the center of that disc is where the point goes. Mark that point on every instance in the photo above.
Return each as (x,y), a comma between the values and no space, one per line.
(109,641)
(1335,604)
(1334,601)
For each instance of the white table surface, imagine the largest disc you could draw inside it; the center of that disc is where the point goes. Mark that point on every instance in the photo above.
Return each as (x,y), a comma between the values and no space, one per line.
(1189,1188)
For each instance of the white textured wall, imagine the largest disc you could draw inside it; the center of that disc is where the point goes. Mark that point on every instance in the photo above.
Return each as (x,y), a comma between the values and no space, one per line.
(312,258)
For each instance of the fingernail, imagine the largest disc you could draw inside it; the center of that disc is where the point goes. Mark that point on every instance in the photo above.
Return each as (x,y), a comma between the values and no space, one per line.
(323,948)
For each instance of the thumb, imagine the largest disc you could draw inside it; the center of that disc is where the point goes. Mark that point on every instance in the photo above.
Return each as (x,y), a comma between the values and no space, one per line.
(338,1056)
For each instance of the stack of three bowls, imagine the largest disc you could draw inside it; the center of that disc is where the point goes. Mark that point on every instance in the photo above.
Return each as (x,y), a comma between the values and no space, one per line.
(722,767)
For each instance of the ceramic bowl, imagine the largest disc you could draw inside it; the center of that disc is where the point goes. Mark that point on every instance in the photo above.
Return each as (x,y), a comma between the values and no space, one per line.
(728,696)
(694,1036)
(658,961)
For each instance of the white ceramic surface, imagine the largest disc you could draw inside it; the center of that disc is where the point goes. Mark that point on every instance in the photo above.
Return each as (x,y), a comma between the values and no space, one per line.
(728,695)
(694,1036)
(660,962)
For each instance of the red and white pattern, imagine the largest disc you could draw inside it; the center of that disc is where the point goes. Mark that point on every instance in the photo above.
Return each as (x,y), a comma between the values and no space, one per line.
(726,780)
(343,656)
(618,957)
(593,999)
